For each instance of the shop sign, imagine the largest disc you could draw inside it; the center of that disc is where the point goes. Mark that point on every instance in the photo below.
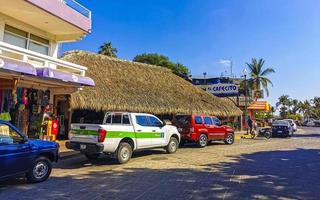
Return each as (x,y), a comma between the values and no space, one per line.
(226,89)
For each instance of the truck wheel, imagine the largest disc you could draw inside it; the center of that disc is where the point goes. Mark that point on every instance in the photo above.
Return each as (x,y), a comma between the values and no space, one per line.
(92,156)
(268,134)
(124,152)
(40,170)
(203,140)
(172,146)
(229,139)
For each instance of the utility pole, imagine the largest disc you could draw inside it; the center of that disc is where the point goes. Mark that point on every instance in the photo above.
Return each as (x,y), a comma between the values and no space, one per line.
(244,72)
(205,80)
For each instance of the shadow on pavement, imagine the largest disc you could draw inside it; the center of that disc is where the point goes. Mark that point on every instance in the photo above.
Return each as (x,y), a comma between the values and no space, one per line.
(307,135)
(292,174)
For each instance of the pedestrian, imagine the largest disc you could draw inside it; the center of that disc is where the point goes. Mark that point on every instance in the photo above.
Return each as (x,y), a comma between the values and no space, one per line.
(250,124)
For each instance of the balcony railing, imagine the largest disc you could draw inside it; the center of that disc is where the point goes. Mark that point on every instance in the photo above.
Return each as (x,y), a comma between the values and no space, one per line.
(39,60)
(78,7)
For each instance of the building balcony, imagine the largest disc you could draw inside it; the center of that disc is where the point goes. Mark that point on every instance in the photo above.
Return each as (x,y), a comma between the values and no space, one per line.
(39,60)
(66,20)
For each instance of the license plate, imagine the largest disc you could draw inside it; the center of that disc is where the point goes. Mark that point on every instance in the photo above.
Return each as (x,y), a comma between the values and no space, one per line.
(83,146)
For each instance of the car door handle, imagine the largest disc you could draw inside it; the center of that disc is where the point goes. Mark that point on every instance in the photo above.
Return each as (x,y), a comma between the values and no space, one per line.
(138,130)
(153,130)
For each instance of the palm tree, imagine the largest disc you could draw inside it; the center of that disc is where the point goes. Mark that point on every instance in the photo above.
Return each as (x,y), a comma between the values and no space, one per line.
(258,75)
(107,50)
(295,106)
(284,103)
(305,108)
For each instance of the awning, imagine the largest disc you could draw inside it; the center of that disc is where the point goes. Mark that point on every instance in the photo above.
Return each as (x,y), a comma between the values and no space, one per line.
(64,76)
(17,66)
(260,106)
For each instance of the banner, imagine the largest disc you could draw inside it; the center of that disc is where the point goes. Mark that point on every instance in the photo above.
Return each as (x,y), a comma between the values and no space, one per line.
(225,89)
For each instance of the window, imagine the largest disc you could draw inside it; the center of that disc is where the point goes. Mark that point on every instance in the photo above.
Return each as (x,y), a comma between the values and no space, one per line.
(154,122)
(108,120)
(116,118)
(216,121)
(142,120)
(9,136)
(26,40)
(182,120)
(87,117)
(125,119)
(198,119)
(208,120)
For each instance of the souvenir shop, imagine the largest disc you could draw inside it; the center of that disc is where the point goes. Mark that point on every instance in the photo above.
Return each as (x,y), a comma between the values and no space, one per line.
(37,105)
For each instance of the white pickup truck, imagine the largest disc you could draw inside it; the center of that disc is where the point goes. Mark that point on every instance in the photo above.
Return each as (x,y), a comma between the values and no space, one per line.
(122,133)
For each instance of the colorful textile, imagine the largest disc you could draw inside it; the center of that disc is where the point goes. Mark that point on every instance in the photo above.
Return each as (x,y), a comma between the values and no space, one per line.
(5,116)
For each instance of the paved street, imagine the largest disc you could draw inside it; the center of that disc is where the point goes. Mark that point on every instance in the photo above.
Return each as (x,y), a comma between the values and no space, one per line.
(250,169)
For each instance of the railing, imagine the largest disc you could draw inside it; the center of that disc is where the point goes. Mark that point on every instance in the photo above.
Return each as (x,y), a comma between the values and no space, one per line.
(78,7)
(39,60)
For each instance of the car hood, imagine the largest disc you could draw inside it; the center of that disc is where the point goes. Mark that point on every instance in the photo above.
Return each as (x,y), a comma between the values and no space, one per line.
(229,128)
(171,128)
(40,144)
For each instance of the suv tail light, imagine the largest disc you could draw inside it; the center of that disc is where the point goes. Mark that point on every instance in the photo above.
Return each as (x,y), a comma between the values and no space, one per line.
(191,130)
(102,135)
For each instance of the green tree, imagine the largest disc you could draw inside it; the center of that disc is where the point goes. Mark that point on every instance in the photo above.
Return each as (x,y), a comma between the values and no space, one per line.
(294,106)
(108,50)
(305,108)
(284,103)
(258,75)
(163,61)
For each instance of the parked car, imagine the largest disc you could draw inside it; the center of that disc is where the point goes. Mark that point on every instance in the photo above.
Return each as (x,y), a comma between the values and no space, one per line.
(293,124)
(22,156)
(122,133)
(202,129)
(282,128)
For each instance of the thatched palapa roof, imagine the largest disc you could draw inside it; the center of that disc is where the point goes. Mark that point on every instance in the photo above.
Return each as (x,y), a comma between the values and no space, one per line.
(136,87)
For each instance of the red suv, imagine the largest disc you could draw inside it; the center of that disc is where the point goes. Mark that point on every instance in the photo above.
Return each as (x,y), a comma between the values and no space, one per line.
(202,129)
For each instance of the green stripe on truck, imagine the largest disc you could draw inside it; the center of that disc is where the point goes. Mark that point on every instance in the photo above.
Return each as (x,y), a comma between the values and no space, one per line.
(119,134)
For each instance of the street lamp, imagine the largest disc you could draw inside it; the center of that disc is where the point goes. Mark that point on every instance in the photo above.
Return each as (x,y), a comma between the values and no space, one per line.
(244,73)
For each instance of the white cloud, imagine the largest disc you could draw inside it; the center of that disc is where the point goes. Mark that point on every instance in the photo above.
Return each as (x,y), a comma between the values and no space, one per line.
(225,62)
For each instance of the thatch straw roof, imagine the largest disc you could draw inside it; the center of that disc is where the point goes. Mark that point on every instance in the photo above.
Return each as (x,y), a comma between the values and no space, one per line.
(136,87)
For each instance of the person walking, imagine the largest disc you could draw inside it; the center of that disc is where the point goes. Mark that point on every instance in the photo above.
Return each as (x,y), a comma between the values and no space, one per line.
(250,124)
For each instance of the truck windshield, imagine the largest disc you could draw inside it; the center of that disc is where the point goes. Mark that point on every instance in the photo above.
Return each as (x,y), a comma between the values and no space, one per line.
(182,120)
(87,117)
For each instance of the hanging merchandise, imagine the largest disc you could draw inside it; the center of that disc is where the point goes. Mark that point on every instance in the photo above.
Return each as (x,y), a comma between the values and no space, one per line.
(55,129)
(1,94)
(5,116)
(25,97)
(19,95)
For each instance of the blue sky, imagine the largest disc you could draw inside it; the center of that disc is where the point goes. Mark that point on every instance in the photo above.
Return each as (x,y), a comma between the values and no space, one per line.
(199,33)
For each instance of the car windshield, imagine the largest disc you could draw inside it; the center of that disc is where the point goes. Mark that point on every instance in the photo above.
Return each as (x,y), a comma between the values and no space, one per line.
(182,120)
(280,123)
(289,120)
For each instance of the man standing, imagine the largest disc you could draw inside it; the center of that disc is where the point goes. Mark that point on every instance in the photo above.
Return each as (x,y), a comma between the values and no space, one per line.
(250,124)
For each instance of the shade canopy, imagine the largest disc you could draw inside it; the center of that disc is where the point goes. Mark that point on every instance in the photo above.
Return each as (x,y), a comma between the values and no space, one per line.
(136,87)
(260,106)
(64,76)
(17,66)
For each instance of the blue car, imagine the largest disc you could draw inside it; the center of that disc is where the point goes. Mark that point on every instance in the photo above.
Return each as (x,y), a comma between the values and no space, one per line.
(282,128)
(22,156)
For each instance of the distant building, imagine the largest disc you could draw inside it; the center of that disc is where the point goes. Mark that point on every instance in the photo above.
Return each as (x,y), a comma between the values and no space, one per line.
(233,89)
